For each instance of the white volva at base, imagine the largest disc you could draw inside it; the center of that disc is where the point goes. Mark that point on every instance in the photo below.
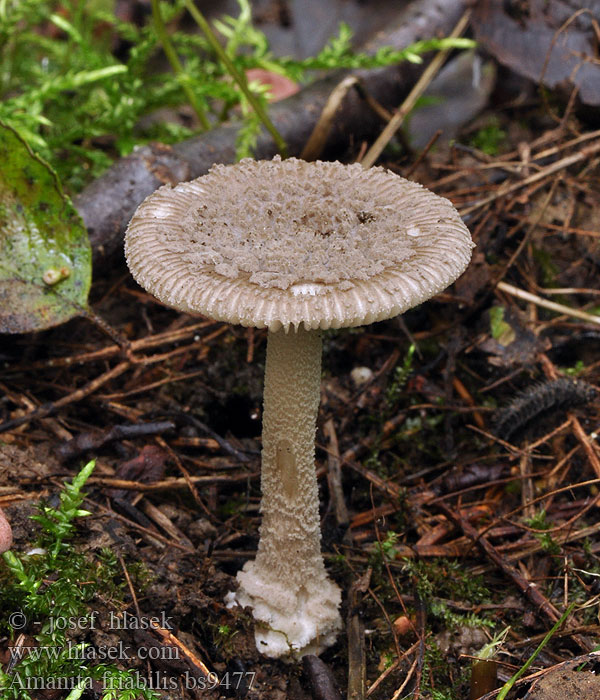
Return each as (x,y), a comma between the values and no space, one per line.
(289,624)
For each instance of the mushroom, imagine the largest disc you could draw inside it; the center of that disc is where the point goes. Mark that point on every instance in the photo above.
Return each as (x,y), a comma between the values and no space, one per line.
(5,533)
(296,248)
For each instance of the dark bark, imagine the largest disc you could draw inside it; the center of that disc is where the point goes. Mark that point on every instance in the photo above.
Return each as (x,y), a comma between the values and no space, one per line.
(109,202)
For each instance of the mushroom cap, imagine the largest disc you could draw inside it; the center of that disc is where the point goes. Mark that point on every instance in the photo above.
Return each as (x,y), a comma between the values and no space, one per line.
(287,242)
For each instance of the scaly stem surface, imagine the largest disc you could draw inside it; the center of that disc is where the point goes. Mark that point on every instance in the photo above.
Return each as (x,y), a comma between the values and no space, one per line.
(287,585)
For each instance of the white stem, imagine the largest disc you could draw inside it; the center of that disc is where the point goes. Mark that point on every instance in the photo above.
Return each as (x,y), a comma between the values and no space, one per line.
(287,585)
(290,530)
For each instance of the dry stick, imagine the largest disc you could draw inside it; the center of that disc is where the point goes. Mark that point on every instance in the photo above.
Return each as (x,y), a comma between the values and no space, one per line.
(530,229)
(506,162)
(355,629)
(164,523)
(585,442)
(170,639)
(157,383)
(528,589)
(411,670)
(527,488)
(392,582)
(334,475)
(130,585)
(387,487)
(84,442)
(428,146)
(186,475)
(561,164)
(464,394)
(384,674)
(396,121)
(115,335)
(134,599)
(544,303)
(51,408)
(169,484)
(350,455)
(318,138)
(568,538)
(112,350)
(140,528)
(60,431)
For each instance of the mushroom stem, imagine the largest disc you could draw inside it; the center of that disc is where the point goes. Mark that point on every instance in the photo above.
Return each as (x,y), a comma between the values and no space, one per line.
(287,585)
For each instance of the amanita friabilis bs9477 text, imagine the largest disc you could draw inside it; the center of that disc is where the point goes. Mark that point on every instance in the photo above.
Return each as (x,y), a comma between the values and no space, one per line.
(294,247)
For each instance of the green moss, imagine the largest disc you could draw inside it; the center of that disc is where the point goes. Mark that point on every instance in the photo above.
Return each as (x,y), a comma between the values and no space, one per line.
(48,594)
(490,138)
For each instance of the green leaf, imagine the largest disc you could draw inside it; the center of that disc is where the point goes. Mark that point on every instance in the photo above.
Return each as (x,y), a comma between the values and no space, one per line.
(501,331)
(45,255)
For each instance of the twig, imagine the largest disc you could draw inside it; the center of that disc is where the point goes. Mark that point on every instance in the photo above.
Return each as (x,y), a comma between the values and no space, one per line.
(51,408)
(108,512)
(528,589)
(318,138)
(136,345)
(409,675)
(545,304)
(585,443)
(561,164)
(171,484)
(158,382)
(170,639)
(224,444)
(159,518)
(357,669)
(396,121)
(384,674)
(541,604)
(428,146)
(334,475)
(186,476)
(85,442)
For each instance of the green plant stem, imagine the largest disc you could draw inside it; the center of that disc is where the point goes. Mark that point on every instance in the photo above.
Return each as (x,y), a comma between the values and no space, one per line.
(77,692)
(510,683)
(173,59)
(236,75)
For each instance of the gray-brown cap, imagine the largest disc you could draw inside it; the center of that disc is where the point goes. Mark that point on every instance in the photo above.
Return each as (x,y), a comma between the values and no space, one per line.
(286,242)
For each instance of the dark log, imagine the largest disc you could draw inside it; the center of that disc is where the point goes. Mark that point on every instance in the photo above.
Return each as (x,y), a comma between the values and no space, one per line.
(108,203)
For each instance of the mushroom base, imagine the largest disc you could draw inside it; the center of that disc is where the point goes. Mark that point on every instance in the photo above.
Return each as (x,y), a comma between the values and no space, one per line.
(293,623)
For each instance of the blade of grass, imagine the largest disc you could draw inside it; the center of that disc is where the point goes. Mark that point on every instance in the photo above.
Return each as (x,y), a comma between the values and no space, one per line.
(510,683)
(176,65)
(236,75)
